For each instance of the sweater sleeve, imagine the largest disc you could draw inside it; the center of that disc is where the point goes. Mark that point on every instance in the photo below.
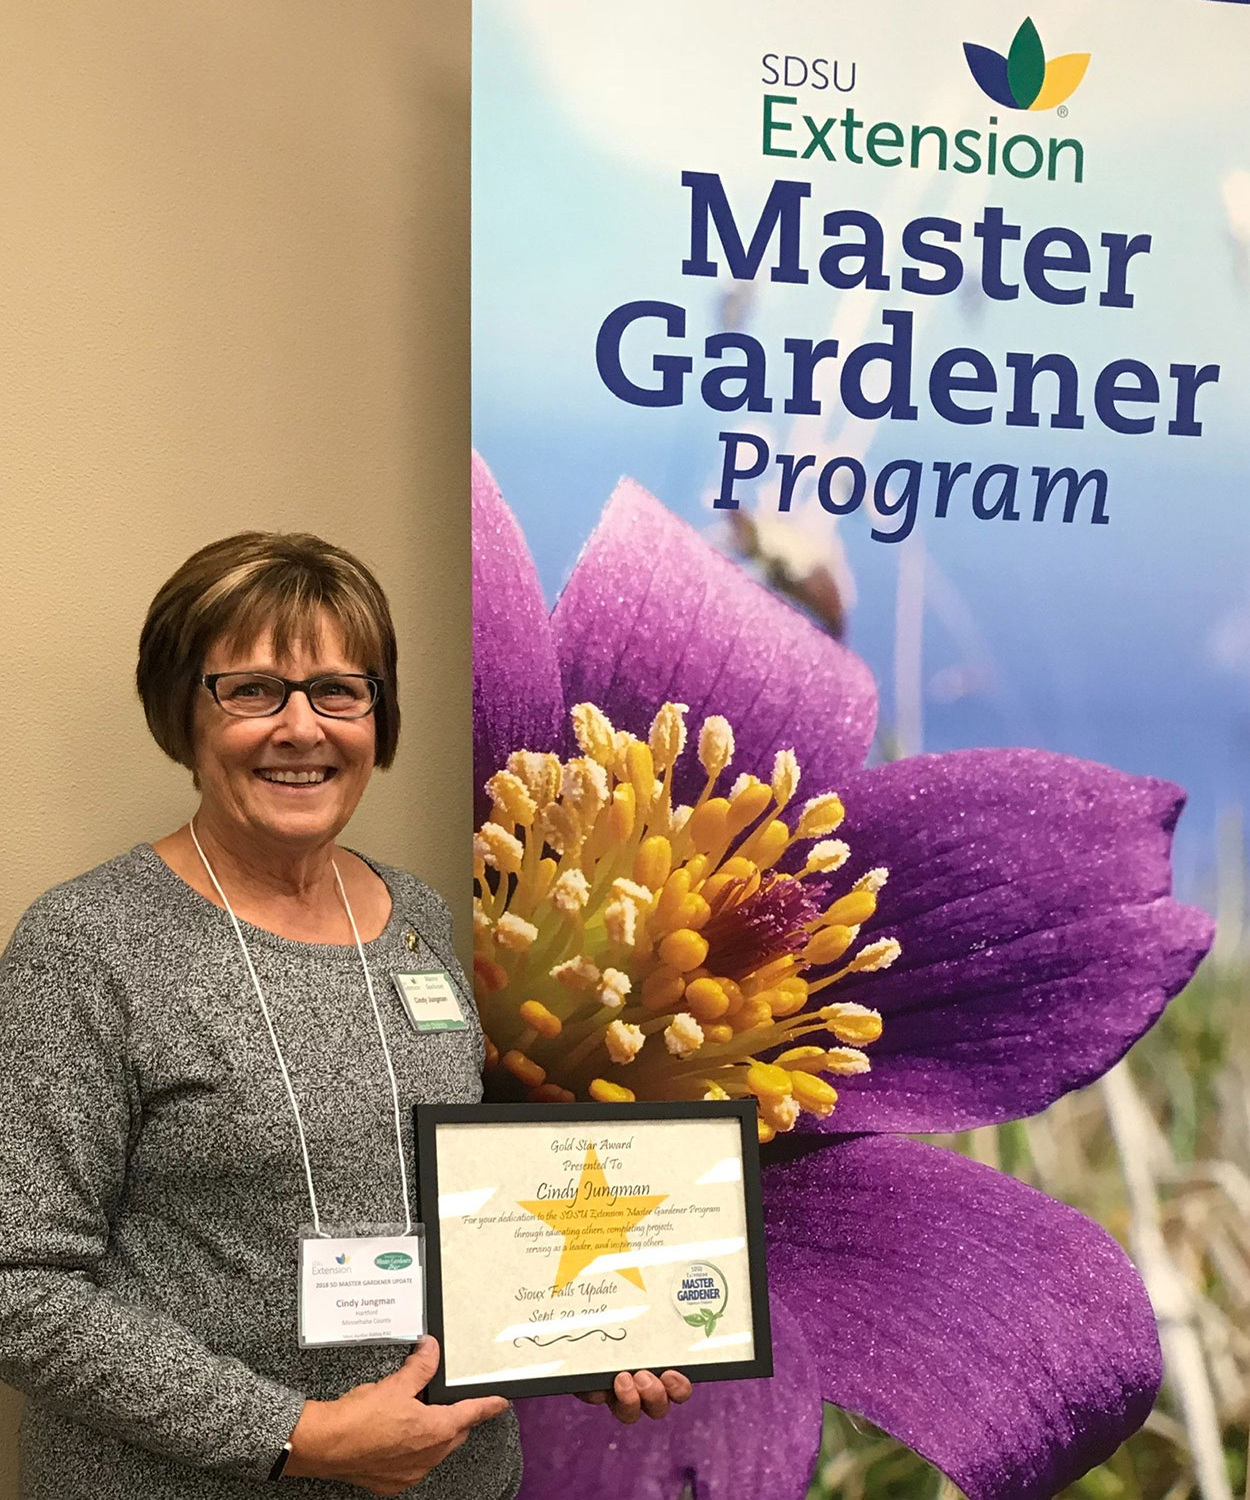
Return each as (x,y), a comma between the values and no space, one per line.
(70,1114)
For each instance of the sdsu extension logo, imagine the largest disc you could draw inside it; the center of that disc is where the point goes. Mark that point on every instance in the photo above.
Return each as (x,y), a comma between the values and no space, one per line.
(1024,79)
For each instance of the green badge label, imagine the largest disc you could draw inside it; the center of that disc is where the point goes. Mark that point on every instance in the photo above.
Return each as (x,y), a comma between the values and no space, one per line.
(701,1294)
(392,1260)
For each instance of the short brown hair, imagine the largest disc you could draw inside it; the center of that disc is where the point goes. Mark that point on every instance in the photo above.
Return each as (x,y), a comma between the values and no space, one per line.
(234,588)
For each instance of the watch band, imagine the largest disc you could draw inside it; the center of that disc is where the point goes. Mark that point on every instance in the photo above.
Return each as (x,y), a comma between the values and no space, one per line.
(279,1463)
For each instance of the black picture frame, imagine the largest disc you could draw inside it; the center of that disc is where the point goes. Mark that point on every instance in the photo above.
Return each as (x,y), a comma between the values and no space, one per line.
(428,1118)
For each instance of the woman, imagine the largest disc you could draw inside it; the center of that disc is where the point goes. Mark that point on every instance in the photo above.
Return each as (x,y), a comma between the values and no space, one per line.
(203,1052)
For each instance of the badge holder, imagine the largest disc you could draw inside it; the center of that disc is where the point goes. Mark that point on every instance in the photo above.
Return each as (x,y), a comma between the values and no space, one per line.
(430,1000)
(361,1284)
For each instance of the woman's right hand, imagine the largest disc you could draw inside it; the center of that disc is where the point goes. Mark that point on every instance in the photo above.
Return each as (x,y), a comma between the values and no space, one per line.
(379,1436)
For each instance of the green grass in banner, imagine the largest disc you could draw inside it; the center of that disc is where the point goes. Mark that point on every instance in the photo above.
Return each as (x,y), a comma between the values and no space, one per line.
(1159,1154)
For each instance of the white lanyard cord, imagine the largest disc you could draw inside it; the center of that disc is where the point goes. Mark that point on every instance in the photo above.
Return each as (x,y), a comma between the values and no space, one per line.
(277,1050)
(386,1051)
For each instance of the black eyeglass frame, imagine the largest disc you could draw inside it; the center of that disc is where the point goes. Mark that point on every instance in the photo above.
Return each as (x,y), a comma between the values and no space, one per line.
(210,680)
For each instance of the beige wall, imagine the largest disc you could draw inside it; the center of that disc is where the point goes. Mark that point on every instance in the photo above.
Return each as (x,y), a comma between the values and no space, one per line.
(233,293)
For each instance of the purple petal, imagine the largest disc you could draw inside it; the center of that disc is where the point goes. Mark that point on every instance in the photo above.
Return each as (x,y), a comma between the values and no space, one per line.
(653,613)
(1003,1336)
(517,702)
(1029,892)
(736,1438)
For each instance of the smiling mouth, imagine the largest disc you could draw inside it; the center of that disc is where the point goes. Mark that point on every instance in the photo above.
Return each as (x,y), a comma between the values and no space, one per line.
(311,776)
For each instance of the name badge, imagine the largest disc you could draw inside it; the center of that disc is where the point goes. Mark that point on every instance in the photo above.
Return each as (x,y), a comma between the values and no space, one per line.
(431,1001)
(361,1289)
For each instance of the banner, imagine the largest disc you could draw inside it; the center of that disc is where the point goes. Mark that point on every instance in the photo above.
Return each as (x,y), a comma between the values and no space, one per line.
(861,588)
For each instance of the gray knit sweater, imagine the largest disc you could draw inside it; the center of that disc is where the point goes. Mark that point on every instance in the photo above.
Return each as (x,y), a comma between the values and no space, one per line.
(151,1184)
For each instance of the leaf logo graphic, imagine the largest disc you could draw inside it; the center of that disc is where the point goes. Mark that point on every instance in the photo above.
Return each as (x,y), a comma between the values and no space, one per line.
(705,1319)
(1024,79)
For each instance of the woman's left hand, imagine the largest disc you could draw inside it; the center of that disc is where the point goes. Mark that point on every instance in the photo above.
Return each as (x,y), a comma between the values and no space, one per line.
(631,1395)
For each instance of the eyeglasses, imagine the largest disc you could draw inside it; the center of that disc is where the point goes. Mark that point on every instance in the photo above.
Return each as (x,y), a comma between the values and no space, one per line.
(257,695)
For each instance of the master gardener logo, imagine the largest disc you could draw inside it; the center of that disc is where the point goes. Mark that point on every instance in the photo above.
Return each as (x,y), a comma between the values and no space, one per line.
(1024,79)
(392,1260)
(701,1294)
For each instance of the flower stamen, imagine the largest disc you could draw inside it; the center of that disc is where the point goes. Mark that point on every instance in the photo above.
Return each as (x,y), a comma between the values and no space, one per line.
(607,916)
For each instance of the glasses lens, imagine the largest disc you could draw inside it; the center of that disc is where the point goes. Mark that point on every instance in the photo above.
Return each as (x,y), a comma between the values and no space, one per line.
(345,697)
(249,694)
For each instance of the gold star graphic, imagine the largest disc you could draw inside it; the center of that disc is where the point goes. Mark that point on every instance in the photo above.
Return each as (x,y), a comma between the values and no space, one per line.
(594,1222)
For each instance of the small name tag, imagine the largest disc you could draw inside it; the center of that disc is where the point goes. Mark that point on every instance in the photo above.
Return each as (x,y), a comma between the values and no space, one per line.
(431,1000)
(360,1290)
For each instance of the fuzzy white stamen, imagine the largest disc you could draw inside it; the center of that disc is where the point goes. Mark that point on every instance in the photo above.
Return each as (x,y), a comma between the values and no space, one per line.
(623,1041)
(683,1036)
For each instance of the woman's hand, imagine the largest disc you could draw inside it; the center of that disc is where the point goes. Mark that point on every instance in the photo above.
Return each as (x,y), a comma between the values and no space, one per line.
(631,1395)
(379,1436)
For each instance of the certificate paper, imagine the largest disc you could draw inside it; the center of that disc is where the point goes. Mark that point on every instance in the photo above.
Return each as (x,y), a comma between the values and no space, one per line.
(567,1242)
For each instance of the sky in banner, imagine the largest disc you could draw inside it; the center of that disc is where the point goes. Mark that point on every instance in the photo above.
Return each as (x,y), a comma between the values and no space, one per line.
(1127,642)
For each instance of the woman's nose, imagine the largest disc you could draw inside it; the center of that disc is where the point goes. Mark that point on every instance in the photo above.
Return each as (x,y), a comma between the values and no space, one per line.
(297,721)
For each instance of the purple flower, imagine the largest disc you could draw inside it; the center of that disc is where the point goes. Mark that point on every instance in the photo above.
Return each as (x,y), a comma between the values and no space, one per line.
(1026,938)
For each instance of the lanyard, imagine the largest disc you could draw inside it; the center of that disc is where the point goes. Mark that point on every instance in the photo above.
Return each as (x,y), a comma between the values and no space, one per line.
(277,1050)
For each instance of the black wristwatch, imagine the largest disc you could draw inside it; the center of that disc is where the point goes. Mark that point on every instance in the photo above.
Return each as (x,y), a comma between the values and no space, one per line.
(279,1463)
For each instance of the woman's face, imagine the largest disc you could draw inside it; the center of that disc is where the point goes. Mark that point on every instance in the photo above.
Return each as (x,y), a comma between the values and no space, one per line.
(238,760)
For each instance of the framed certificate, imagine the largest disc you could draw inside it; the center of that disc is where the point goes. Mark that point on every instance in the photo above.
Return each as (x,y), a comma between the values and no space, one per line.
(566,1242)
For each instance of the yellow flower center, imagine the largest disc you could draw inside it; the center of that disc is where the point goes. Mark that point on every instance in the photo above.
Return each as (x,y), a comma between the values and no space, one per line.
(627,949)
